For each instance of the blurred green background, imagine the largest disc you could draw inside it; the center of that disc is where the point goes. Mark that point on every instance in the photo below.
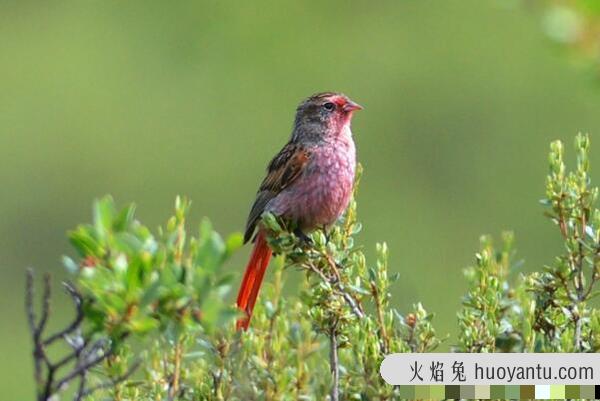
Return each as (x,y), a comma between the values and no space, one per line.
(146,100)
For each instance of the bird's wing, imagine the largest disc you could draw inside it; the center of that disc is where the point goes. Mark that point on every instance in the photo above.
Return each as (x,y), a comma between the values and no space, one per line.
(283,170)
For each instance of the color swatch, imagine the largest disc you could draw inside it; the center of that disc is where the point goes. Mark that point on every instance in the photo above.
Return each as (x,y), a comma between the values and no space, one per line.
(500,392)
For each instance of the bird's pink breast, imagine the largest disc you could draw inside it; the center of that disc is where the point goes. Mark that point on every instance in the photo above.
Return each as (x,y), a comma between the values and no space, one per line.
(322,193)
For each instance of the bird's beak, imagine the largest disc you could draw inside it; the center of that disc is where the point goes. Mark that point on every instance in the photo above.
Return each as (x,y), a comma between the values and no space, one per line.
(351,106)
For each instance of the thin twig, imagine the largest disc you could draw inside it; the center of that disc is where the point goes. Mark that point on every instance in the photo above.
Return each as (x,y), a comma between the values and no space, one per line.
(83,352)
(577,341)
(114,381)
(354,304)
(78,301)
(340,290)
(81,388)
(45,305)
(29,295)
(66,359)
(380,319)
(81,368)
(174,386)
(334,364)
(78,344)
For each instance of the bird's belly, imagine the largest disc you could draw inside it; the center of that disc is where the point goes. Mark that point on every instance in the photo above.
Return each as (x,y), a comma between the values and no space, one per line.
(321,195)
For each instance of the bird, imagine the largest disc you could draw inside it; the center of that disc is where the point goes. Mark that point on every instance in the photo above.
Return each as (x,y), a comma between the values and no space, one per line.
(308,183)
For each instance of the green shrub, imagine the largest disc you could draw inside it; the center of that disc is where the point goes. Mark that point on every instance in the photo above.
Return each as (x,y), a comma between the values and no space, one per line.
(153,323)
(548,310)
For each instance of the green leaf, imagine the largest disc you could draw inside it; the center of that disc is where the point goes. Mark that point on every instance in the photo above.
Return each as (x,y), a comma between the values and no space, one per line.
(211,249)
(84,242)
(234,242)
(104,213)
(70,265)
(143,325)
(125,217)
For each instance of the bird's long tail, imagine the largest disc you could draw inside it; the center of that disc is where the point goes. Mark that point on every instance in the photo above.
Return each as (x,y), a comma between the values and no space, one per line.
(253,277)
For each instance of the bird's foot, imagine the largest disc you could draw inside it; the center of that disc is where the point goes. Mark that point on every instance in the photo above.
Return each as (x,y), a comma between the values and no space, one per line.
(304,239)
(327,233)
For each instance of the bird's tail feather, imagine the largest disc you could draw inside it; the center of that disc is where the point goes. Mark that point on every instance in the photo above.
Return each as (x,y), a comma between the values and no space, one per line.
(253,276)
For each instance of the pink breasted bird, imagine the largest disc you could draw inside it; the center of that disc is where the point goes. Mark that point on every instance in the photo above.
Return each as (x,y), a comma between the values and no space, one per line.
(309,183)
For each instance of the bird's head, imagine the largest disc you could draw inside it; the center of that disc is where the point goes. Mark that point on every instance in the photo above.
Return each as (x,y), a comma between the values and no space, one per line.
(326,113)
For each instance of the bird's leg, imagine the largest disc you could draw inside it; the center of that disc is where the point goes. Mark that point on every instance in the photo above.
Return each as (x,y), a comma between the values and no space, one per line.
(305,239)
(327,233)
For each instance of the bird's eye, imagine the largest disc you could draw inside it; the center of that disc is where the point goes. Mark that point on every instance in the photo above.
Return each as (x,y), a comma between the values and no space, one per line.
(329,106)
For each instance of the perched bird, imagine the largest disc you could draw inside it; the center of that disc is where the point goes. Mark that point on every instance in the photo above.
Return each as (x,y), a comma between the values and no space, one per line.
(308,183)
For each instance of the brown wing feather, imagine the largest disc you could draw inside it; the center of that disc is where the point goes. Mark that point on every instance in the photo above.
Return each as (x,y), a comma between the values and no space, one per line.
(282,171)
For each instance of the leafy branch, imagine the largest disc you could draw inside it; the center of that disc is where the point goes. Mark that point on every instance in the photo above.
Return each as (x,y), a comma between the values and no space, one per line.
(85,353)
(547,310)
(151,319)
